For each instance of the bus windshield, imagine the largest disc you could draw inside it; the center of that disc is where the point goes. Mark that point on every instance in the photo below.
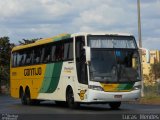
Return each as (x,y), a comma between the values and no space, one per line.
(105,41)
(114,64)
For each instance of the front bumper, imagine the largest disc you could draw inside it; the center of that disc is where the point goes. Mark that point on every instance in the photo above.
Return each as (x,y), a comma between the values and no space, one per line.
(101,96)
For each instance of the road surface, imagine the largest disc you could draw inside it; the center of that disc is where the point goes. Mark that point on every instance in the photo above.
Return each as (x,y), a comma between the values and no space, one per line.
(10,105)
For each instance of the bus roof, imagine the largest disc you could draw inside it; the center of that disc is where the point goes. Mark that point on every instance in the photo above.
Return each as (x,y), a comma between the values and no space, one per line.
(101,33)
(63,36)
(43,41)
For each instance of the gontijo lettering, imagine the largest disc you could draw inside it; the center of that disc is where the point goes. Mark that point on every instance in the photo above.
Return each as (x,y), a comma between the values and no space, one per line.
(33,71)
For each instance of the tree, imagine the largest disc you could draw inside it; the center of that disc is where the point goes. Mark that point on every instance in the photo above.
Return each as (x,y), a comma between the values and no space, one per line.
(155,70)
(28,41)
(5,53)
(4,50)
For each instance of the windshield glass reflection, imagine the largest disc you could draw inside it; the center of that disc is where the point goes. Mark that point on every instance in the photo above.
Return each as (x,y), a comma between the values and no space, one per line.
(114,65)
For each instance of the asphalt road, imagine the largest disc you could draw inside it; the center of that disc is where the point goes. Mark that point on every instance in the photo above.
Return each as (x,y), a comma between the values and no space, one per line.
(10,105)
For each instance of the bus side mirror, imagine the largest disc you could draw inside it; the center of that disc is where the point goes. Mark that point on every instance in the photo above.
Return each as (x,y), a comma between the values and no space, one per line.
(88,53)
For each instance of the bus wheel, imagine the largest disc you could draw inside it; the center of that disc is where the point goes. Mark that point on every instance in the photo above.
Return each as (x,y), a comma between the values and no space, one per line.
(23,98)
(115,105)
(28,98)
(70,99)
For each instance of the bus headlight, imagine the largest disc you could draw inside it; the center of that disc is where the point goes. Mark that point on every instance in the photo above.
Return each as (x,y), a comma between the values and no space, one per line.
(93,87)
(137,87)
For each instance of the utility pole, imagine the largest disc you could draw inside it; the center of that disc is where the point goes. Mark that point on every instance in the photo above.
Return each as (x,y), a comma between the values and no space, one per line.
(140,43)
(139,23)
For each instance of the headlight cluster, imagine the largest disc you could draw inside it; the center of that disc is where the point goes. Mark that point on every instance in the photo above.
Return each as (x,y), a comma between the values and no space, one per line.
(137,87)
(93,87)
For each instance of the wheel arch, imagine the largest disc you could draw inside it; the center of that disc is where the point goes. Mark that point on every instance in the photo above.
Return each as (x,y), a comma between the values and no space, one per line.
(67,89)
(20,91)
(27,90)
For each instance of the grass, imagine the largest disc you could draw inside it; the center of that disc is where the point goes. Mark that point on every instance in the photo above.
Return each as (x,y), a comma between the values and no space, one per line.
(150,99)
(152,95)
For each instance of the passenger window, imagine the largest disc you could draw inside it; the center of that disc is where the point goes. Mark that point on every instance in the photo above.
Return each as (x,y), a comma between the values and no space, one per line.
(70,50)
(53,53)
(47,54)
(19,58)
(13,59)
(28,59)
(37,55)
(66,51)
(22,60)
(59,52)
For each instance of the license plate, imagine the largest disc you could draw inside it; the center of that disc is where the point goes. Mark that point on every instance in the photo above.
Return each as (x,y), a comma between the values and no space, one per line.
(118,96)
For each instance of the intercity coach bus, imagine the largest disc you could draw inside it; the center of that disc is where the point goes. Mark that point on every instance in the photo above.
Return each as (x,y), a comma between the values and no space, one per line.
(76,69)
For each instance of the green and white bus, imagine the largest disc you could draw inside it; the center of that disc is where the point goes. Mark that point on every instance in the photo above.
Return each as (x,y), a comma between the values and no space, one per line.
(77,68)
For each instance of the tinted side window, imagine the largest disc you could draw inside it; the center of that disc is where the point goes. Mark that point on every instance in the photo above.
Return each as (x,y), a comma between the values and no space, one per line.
(71,50)
(59,51)
(37,55)
(53,58)
(80,52)
(23,57)
(14,57)
(28,57)
(80,61)
(19,58)
(47,54)
(68,50)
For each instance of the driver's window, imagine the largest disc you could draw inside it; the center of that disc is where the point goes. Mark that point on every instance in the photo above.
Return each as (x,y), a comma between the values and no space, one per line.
(80,60)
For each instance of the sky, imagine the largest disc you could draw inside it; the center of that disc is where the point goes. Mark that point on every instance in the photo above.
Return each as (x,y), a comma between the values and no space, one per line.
(27,19)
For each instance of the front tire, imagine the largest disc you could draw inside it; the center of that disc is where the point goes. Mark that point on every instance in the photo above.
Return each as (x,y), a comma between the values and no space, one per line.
(70,100)
(115,105)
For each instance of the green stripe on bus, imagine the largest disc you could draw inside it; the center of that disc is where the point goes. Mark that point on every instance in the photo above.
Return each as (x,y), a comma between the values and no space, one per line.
(127,86)
(51,77)
(62,37)
(47,78)
(121,86)
(55,77)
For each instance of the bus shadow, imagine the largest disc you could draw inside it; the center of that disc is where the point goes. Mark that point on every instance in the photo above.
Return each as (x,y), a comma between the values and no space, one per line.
(83,107)
(51,104)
